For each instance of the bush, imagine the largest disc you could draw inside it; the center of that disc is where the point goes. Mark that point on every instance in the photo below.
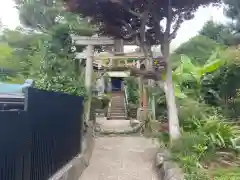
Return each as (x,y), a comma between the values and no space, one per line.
(132,110)
(105,101)
(196,175)
(190,108)
(96,102)
(198,48)
(188,151)
(219,133)
(204,137)
(132,90)
(226,174)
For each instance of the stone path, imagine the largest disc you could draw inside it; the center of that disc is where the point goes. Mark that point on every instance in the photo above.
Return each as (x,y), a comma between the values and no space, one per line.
(114,124)
(122,158)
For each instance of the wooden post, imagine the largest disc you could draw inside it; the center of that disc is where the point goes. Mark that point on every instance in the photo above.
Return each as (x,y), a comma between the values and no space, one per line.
(88,79)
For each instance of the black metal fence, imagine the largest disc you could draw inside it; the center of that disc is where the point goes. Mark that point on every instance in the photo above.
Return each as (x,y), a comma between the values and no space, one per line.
(35,143)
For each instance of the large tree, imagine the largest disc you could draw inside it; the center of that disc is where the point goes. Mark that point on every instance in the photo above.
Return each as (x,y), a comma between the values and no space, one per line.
(58,69)
(142,21)
(232,11)
(218,32)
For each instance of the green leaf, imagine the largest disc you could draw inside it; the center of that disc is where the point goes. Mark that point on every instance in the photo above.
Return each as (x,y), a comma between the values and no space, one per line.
(212,66)
(178,93)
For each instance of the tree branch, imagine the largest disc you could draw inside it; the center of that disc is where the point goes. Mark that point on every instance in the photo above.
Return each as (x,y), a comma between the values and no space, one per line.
(129,29)
(177,25)
(137,14)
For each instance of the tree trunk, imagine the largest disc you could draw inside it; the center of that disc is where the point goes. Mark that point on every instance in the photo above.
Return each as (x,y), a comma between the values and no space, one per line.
(173,121)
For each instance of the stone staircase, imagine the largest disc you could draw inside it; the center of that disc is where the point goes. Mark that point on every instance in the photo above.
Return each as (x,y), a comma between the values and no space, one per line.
(118,107)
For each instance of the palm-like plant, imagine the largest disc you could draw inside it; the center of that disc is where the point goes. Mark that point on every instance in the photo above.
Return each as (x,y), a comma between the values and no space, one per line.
(188,75)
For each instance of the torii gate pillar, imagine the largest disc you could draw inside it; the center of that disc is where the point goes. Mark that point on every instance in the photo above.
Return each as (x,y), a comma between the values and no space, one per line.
(88,78)
(89,68)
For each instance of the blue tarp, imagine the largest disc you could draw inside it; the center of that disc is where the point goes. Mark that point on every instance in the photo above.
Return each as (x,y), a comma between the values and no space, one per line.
(14,88)
(11,88)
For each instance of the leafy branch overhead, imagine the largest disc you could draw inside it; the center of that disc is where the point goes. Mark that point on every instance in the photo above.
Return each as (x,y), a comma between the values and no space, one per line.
(141,19)
(45,15)
(51,26)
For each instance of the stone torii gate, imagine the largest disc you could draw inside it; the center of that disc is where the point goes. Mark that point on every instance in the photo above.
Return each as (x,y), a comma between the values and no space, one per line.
(118,45)
(90,42)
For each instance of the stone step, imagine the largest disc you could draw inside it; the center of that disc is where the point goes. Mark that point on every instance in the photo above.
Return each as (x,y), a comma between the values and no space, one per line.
(118,117)
(112,104)
(116,111)
(120,107)
(117,107)
(118,114)
(117,103)
(100,115)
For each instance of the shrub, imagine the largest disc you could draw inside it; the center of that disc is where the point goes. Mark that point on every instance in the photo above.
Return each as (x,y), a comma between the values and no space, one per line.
(219,133)
(96,103)
(132,110)
(105,101)
(188,151)
(132,90)
(196,175)
(190,108)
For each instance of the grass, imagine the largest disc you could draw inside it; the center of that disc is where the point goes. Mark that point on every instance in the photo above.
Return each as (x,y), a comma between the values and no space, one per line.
(226,173)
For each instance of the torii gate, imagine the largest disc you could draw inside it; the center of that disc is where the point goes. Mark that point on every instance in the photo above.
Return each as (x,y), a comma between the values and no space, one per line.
(90,42)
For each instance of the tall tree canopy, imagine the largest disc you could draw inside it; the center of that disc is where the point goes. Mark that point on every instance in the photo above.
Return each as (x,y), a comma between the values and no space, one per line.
(232,10)
(129,18)
(217,32)
(52,48)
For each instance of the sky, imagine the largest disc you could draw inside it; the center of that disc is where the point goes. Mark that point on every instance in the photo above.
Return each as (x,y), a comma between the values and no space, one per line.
(9,17)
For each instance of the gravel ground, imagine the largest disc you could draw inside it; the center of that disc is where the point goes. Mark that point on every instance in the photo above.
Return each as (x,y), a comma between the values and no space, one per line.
(122,158)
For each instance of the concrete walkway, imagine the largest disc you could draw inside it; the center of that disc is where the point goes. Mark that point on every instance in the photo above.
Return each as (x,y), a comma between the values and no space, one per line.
(122,158)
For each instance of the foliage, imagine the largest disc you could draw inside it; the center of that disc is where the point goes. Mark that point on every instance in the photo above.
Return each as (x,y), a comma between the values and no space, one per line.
(132,110)
(105,101)
(132,90)
(220,134)
(43,15)
(217,32)
(188,80)
(128,16)
(232,9)
(25,50)
(226,174)
(146,23)
(160,106)
(200,140)
(189,150)
(200,144)
(198,49)
(44,53)
(187,77)
(223,84)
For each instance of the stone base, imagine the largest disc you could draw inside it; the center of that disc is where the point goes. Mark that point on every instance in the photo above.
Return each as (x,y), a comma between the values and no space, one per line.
(167,169)
(130,130)
(74,169)
(134,122)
